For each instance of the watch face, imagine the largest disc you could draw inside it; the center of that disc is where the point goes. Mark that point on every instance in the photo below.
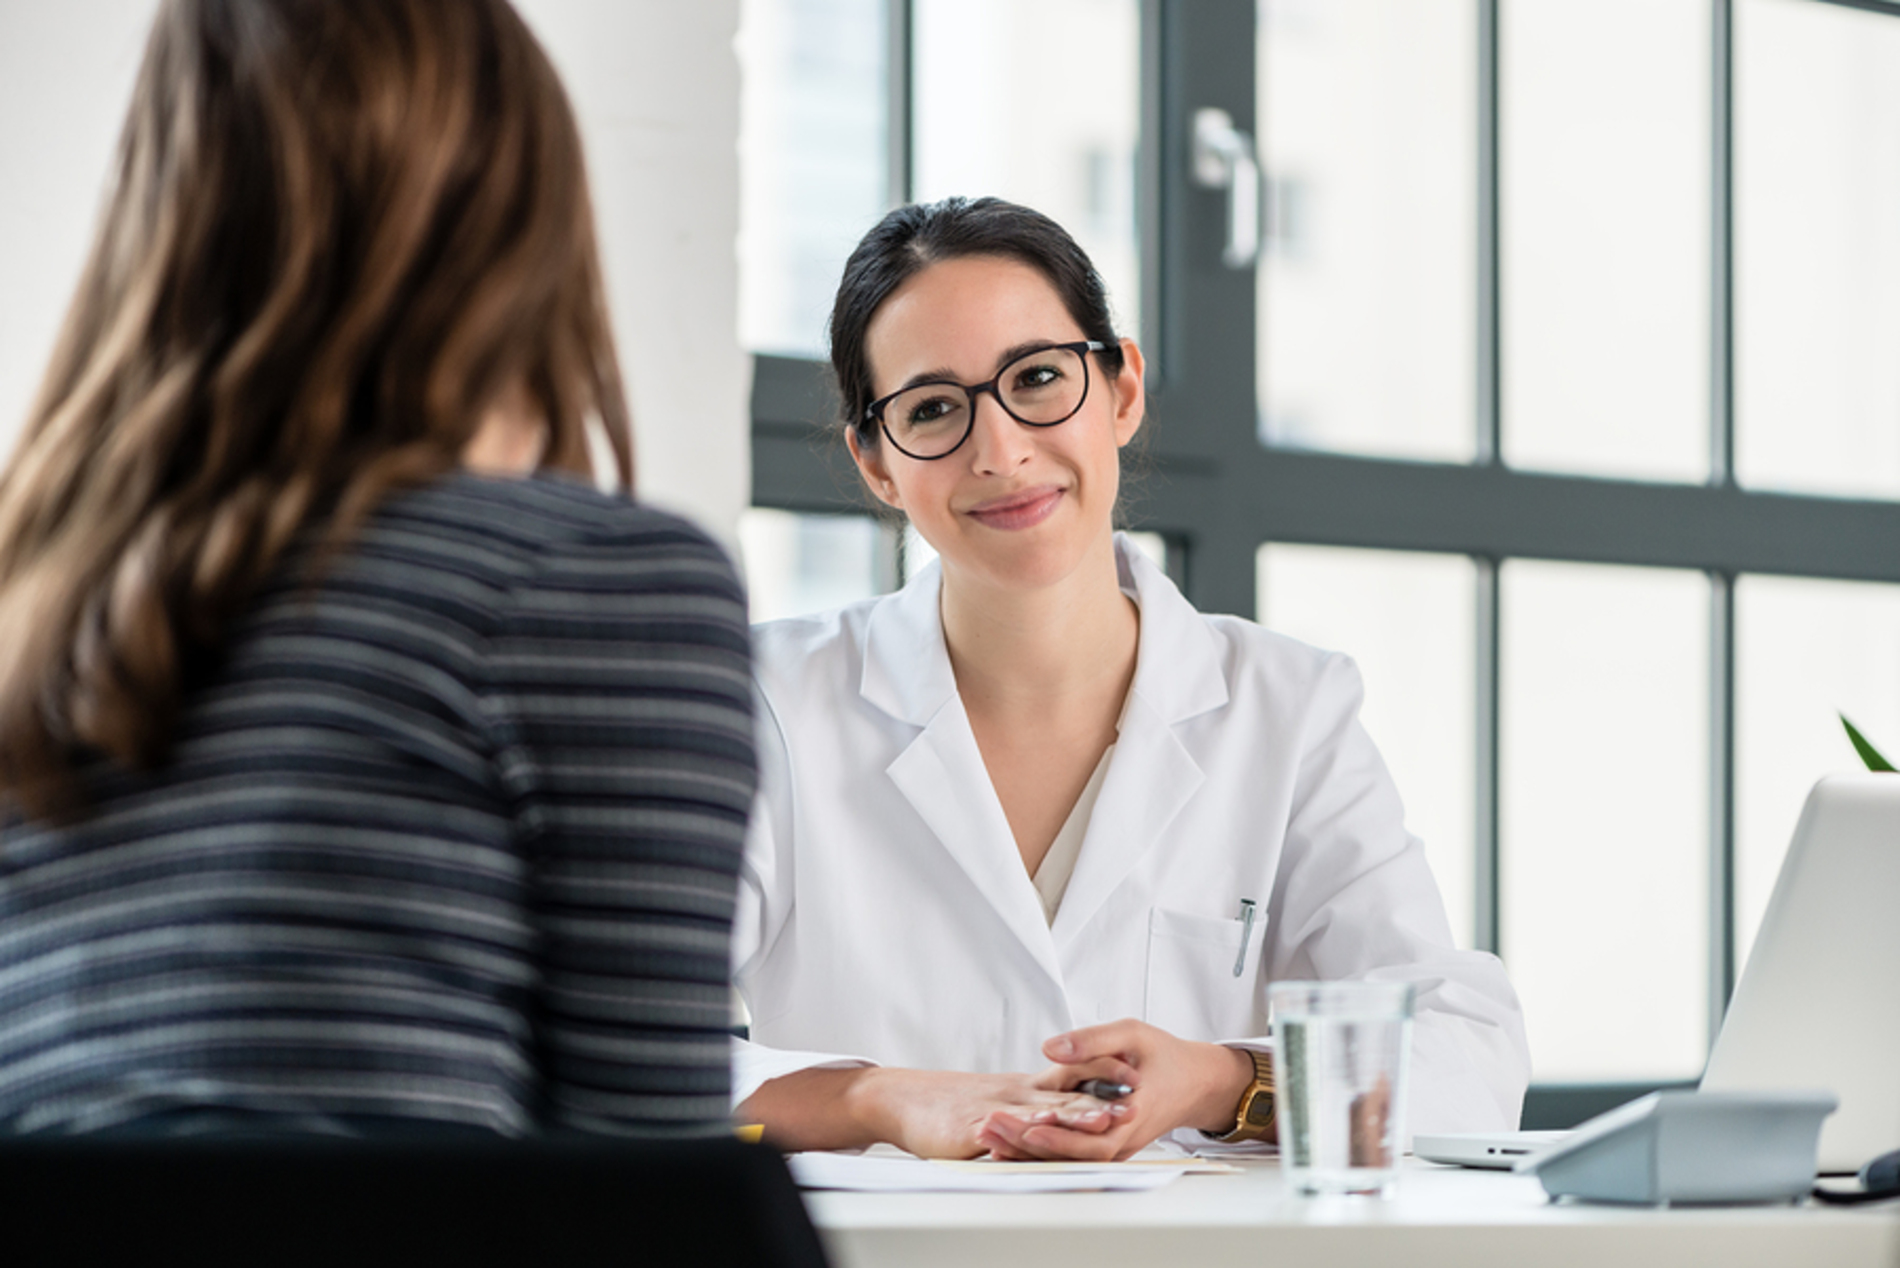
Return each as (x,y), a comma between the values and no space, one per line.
(1260,1110)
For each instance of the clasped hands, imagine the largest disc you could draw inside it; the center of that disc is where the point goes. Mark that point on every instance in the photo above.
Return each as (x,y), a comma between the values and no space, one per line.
(1176,1083)
(947,1114)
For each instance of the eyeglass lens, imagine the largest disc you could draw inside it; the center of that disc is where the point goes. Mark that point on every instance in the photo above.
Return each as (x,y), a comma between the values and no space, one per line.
(1039,388)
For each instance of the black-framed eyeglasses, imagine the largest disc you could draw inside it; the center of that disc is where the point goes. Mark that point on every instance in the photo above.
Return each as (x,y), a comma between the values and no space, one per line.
(1040,388)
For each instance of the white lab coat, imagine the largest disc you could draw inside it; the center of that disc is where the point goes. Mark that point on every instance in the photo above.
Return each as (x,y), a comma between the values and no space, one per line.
(885,915)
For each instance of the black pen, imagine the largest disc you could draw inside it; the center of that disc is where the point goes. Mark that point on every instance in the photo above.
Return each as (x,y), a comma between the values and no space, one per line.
(1104,1089)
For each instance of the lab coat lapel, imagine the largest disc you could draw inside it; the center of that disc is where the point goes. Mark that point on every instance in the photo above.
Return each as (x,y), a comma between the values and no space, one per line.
(940,773)
(1152,776)
(943,777)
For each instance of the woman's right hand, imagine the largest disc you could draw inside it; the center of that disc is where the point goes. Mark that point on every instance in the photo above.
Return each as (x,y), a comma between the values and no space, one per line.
(940,1114)
(931,1113)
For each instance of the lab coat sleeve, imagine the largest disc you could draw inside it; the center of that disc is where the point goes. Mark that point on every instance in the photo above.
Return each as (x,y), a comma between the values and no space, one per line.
(1355,899)
(766,892)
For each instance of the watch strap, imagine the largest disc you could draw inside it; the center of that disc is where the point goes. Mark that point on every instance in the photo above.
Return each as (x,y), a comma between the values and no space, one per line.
(1254,1115)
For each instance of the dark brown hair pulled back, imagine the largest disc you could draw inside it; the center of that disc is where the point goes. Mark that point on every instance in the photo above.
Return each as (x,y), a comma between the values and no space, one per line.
(338,231)
(911,239)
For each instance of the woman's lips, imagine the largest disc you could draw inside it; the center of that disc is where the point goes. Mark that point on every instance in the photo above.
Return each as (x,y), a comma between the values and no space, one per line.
(1016,511)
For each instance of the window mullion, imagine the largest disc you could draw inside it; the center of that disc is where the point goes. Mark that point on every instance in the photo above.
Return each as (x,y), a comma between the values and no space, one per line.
(1486,908)
(1722,474)
(1487,849)
(1722,245)
(1721,796)
(898,82)
(1201,313)
(1489,421)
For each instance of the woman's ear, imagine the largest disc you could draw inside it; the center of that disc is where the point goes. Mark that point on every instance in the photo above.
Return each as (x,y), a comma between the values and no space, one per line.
(877,477)
(1131,395)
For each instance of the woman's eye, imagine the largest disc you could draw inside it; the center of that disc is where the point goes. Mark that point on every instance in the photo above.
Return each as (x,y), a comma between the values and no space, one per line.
(930,411)
(1032,377)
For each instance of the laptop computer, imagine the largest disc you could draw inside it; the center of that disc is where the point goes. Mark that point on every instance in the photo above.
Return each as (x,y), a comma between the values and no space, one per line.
(1818,1004)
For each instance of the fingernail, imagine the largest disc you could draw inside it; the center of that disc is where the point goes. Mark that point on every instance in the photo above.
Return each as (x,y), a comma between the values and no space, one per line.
(1043,1116)
(1118,1109)
(1062,1047)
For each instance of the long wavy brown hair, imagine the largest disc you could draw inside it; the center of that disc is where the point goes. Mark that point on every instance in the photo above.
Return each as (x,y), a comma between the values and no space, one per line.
(339,232)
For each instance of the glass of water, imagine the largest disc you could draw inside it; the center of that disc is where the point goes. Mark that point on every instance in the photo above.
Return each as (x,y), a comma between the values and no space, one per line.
(1340,1051)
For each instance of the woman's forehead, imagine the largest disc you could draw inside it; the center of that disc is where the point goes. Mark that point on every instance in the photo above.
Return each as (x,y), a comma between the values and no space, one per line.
(960,315)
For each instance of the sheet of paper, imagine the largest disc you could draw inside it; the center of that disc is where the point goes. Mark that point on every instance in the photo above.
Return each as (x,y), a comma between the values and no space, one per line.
(885,1170)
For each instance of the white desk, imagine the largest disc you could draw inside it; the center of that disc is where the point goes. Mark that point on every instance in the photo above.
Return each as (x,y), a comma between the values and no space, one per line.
(1439,1217)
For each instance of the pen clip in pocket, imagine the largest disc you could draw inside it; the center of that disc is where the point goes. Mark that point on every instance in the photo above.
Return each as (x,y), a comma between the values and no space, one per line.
(1246,934)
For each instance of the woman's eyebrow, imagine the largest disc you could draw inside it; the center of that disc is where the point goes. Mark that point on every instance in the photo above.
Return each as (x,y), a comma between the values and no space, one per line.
(944,374)
(1023,349)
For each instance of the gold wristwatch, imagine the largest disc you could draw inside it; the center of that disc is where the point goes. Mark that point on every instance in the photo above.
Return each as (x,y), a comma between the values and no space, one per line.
(1253,1117)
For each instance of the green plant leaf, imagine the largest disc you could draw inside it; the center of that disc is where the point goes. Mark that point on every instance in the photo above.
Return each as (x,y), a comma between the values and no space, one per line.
(1868,753)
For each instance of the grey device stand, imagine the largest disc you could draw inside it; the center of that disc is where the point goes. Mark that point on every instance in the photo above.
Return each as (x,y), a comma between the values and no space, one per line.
(1691,1148)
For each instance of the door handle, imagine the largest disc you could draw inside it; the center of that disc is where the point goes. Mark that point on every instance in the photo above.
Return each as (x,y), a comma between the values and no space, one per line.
(1224,159)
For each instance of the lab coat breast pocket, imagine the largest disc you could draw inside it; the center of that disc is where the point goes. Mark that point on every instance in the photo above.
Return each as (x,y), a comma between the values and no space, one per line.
(1192,990)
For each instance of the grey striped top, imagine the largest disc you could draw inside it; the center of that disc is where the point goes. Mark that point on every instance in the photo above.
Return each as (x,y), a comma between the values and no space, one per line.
(449,836)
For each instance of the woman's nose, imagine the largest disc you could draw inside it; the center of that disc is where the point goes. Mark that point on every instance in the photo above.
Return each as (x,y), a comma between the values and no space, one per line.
(999,444)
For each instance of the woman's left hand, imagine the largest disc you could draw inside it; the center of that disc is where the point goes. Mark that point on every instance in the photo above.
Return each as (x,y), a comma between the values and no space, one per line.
(1179,1083)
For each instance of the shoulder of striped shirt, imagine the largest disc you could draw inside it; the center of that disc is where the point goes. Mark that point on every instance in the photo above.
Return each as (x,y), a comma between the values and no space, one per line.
(567,510)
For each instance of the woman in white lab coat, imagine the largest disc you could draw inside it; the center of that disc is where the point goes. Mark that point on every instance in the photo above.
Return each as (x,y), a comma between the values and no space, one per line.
(1033,819)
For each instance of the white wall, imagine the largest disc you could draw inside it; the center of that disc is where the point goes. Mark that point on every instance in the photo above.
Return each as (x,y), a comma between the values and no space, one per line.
(65,74)
(657,89)
(656,85)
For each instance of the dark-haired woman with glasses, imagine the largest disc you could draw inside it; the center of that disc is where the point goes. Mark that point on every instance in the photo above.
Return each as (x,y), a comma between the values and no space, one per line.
(1033,820)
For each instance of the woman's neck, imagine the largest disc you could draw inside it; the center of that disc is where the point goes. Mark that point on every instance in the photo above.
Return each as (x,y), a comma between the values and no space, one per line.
(1052,651)
(511,437)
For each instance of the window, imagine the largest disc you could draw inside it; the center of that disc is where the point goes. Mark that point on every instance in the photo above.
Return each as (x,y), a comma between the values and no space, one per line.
(1408,619)
(1367,291)
(815,151)
(1603,816)
(1036,101)
(1603,236)
(1817,248)
(1559,395)
(799,564)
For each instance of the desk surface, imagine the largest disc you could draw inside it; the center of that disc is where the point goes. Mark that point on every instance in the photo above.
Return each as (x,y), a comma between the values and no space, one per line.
(1439,1216)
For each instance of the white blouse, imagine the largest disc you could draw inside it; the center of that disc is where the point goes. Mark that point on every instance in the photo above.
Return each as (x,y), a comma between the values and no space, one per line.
(1052,877)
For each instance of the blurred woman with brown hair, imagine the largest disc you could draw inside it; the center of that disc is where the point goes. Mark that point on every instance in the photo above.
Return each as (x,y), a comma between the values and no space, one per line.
(361,764)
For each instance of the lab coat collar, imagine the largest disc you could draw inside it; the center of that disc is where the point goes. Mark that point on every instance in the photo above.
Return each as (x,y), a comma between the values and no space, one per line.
(1178,675)
(941,774)
(907,670)
(1178,670)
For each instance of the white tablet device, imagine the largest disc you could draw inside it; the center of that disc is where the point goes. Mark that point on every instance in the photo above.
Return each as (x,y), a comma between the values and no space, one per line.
(1497,1151)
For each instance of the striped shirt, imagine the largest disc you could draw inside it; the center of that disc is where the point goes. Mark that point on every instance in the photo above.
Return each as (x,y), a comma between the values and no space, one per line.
(450,835)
